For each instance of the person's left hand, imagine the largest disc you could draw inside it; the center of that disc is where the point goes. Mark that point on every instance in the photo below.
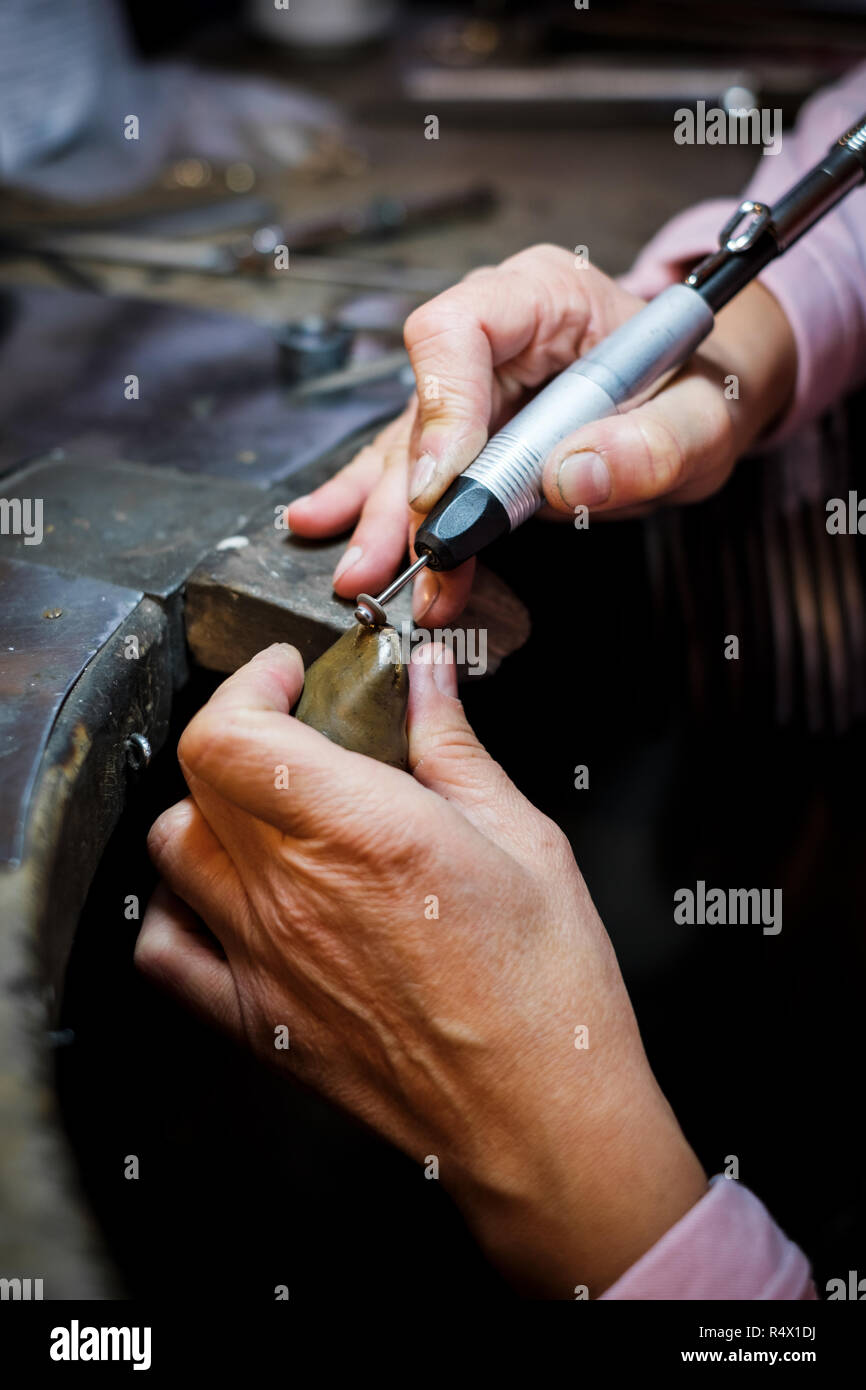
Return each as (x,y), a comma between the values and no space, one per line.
(431,948)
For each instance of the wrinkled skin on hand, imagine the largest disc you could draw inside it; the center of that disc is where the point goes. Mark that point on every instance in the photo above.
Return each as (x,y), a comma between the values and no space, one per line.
(430,944)
(357,694)
(489,343)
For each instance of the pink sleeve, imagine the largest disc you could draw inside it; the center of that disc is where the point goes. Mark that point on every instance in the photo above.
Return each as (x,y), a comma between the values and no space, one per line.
(727,1247)
(820,282)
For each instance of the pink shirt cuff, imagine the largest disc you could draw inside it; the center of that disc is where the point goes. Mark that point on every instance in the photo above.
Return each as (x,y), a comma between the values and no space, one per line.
(820,282)
(727,1247)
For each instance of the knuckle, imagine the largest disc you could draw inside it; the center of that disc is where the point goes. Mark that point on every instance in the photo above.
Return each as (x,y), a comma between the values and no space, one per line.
(363,844)
(660,455)
(425,323)
(453,743)
(455,309)
(542,254)
(478,273)
(460,761)
(159,836)
(169,825)
(200,741)
(190,742)
(153,955)
(551,842)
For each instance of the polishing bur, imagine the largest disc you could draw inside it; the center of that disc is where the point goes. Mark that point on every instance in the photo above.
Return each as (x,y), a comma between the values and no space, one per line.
(371,611)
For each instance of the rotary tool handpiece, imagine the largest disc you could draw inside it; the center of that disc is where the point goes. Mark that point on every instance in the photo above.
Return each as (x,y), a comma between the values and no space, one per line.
(502,488)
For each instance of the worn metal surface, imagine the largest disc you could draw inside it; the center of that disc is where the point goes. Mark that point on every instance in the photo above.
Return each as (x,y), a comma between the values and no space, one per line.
(210,398)
(80,791)
(53,624)
(85,774)
(125,523)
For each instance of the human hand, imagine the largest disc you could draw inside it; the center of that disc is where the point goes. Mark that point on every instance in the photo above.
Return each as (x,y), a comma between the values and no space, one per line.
(430,945)
(484,346)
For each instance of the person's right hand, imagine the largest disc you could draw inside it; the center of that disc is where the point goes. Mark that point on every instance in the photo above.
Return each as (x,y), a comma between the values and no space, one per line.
(481,349)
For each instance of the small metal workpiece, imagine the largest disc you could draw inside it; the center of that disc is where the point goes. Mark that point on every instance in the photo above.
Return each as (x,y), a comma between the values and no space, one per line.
(371,611)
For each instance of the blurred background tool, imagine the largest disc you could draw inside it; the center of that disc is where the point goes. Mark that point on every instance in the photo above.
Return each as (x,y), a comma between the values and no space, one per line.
(312,347)
(201,258)
(389,364)
(618,61)
(207,259)
(137,242)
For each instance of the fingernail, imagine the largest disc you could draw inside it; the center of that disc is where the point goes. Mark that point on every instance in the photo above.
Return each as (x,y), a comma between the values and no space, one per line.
(421,476)
(583,478)
(351,557)
(267,652)
(425,594)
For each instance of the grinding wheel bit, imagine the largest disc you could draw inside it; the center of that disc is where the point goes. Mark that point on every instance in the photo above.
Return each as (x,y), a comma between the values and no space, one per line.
(357,692)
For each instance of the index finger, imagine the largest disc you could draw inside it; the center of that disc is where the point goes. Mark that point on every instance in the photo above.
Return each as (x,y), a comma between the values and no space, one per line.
(531,313)
(271,680)
(244,746)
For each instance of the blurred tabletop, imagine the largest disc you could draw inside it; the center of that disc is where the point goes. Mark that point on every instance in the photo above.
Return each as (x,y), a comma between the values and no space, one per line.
(606,187)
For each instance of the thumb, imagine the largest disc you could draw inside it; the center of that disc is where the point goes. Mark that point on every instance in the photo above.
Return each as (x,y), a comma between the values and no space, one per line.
(446,756)
(675,446)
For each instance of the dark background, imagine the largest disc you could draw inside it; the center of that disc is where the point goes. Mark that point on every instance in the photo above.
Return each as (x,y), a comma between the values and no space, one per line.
(247,1182)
